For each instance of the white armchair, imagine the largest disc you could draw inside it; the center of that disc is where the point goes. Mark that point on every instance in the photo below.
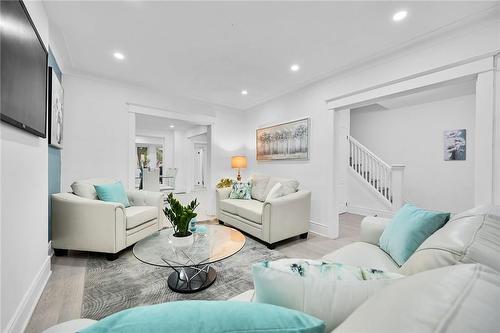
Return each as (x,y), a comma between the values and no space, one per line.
(82,222)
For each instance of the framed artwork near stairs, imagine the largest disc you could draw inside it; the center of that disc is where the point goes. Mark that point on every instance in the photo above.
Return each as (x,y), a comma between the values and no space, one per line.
(455,145)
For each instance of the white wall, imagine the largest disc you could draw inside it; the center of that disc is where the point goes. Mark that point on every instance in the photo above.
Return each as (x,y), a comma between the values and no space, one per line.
(317,173)
(97,133)
(413,136)
(25,265)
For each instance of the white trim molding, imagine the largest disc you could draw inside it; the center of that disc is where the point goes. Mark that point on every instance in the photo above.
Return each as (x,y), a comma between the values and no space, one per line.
(413,83)
(25,309)
(319,229)
(369,211)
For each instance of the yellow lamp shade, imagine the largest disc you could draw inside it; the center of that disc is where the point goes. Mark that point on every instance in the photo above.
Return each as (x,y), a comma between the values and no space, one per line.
(238,162)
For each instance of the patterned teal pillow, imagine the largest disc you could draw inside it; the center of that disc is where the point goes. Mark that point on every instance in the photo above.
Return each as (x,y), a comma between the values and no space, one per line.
(328,291)
(241,190)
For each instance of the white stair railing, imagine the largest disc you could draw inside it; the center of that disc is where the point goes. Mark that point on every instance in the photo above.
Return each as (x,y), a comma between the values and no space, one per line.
(387,180)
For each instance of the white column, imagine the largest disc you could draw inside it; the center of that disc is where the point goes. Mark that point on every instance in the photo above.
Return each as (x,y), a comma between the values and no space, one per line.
(483,168)
(496,142)
(397,186)
(132,155)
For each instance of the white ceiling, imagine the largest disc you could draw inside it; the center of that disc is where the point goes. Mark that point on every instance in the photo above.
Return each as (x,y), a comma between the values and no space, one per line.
(149,125)
(210,51)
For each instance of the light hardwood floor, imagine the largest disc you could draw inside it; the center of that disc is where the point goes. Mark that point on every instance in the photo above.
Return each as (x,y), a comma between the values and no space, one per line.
(62,298)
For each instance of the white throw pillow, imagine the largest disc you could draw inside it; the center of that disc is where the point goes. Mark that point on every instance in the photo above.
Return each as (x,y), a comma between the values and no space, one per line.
(276,192)
(85,188)
(259,184)
(328,291)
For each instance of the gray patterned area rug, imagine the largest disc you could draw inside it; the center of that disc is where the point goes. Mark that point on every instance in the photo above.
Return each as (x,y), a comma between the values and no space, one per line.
(112,286)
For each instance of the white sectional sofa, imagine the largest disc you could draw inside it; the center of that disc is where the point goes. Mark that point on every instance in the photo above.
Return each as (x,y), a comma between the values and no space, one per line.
(270,220)
(453,282)
(82,222)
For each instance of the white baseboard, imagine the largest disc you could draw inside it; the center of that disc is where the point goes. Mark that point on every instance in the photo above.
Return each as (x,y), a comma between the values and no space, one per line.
(319,229)
(50,250)
(369,211)
(25,309)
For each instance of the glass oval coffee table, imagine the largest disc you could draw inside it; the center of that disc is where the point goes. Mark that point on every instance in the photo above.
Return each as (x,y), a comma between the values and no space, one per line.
(192,265)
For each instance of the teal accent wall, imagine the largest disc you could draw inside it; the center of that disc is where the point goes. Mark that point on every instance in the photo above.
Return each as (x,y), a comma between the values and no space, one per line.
(54,156)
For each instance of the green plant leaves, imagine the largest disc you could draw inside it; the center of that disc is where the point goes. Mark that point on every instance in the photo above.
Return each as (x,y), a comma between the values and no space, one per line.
(180,216)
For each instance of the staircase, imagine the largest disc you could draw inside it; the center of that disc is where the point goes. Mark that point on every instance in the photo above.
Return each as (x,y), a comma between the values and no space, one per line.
(384,179)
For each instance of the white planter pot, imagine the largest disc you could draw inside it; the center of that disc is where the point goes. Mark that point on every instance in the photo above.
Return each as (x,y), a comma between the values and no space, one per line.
(182,242)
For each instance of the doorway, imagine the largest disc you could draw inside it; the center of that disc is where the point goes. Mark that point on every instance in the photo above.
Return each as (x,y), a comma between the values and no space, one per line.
(200,165)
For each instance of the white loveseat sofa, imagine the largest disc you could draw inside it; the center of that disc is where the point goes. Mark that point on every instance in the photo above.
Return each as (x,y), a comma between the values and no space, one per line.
(82,222)
(270,220)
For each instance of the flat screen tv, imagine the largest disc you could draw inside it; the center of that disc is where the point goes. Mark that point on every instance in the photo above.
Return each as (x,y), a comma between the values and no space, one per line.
(23,70)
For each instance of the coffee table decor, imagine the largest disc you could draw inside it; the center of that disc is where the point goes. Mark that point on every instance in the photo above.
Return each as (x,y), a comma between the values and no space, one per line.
(180,217)
(192,263)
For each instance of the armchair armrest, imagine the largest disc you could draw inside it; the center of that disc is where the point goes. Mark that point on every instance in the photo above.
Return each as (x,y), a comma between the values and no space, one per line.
(287,216)
(85,224)
(148,198)
(372,228)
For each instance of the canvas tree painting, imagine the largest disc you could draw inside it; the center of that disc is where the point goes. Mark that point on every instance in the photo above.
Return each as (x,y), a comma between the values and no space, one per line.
(287,141)
(455,145)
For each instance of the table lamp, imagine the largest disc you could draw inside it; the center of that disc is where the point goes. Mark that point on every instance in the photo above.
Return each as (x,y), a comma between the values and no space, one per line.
(238,162)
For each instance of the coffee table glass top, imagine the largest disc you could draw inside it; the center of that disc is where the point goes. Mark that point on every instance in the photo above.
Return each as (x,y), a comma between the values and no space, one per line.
(211,243)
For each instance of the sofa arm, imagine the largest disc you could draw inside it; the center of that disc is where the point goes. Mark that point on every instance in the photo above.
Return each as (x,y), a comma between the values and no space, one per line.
(149,198)
(287,216)
(372,228)
(86,224)
(223,193)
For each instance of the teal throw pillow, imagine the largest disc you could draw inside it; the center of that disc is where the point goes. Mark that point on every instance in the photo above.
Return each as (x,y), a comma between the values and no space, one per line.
(409,228)
(241,190)
(112,192)
(208,316)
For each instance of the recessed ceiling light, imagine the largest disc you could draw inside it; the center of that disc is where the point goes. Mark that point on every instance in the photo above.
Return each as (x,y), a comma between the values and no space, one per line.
(172,126)
(294,67)
(244,92)
(401,15)
(118,55)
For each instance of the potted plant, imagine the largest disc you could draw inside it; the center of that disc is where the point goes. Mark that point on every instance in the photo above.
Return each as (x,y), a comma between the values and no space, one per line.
(180,216)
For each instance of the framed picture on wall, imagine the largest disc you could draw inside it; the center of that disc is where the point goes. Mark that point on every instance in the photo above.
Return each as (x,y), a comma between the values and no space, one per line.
(286,141)
(56,110)
(455,145)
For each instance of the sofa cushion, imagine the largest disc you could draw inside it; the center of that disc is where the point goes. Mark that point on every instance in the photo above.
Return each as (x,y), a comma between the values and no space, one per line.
(289,185)
(137,215)
(469,237)
(363,254)
(259,184)
(328,291)
(112,193)
(459,298)
(208,316)
(247,209)
(85,188)
(408,229)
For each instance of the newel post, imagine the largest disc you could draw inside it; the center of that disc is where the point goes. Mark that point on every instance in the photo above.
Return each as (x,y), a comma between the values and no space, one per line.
(397,175)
